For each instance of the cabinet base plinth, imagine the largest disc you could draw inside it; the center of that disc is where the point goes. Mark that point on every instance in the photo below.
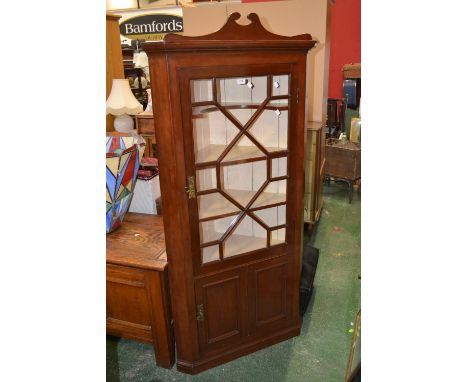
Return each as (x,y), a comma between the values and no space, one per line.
(231,354)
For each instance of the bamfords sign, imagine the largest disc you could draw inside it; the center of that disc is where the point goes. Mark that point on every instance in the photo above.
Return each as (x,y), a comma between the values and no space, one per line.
(151,27)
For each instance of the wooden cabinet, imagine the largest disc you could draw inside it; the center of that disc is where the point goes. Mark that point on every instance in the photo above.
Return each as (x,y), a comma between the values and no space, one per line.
(137,290)
(315,173)
(343,163)
(230,133)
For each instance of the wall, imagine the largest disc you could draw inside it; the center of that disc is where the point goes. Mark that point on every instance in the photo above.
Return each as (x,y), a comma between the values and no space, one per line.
(281,17)
(345,44)
(148,4)
(285,17)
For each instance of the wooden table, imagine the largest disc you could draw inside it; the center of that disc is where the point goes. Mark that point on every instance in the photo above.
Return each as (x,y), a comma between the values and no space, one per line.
(137,299)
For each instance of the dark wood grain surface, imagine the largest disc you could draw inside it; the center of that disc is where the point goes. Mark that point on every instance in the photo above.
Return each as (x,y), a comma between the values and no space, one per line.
(138,242)
(233,36)
(240,304)
(137,292)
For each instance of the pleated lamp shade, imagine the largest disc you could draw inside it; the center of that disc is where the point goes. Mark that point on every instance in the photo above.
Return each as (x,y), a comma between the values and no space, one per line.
(121,99)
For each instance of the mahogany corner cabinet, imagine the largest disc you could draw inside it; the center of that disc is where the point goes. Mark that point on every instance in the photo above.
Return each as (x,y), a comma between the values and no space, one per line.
(229,110)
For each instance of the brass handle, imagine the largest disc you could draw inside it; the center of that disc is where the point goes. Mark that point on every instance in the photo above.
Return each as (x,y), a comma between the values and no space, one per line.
(200,312)
(190,189)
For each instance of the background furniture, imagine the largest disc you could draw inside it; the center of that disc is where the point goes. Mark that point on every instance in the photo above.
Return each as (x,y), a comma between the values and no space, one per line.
(336,117)
(138,91)
(352,85)
(114,64)
(230,132)
(127,56)
(315,172)
(343,163)
(137,295)
(145,195)
(145,127)
(352,91)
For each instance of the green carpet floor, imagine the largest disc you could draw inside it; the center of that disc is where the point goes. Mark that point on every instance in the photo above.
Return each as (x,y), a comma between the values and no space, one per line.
(320,353)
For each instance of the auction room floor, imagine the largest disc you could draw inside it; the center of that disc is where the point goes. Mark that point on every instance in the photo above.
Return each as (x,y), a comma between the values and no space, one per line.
(320,353)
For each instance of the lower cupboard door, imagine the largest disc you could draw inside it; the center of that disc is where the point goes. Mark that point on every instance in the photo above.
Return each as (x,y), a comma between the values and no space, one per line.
(221,309)
(272,295)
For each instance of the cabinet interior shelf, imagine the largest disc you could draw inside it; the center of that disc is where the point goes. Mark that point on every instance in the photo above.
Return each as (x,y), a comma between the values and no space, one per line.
(215,206)
(243,244)
(208,155)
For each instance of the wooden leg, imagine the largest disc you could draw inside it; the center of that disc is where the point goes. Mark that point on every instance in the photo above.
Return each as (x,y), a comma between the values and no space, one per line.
(351,191)
(163,338)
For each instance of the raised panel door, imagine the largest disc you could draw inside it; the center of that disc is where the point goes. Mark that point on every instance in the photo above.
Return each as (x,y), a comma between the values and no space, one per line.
(271,288)
(220,310)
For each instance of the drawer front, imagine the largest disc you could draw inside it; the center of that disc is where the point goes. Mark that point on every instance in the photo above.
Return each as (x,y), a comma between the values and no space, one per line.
(146,125)
(125,275)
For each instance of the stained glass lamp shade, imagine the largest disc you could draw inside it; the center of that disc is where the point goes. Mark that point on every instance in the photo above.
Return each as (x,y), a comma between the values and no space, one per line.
(123,156)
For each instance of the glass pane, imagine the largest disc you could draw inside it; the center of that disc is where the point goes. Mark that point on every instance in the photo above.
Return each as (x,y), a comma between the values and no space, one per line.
(202,90)
(212,230)
(278,236)
(215,204)
(273,216)
(242,181)
(241,114)
(274,193)
(212,132)
(210,254)
(242,90)
(244,167)
(242,96)
(280,85)
(244,149)
(248,236)
(279,167)
(206,179)
(271,127)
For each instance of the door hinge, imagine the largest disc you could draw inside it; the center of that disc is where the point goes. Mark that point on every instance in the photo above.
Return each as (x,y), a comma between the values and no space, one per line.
(200,312)
(297,95)
(190,188)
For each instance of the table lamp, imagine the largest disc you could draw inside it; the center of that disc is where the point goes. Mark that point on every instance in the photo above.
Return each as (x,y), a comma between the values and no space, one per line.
(120,103)
(140,60)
